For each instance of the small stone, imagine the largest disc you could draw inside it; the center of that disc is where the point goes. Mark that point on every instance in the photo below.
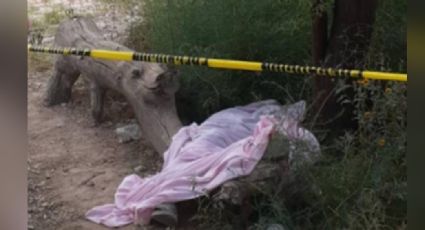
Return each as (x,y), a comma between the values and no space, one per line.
(128,133)
(30,227)
(63,104)
(45,204)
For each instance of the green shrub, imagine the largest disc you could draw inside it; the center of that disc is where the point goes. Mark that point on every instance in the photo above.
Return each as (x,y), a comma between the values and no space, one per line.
(363,177)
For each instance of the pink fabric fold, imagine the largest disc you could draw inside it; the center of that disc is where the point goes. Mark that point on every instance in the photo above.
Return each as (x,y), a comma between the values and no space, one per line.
(200,158)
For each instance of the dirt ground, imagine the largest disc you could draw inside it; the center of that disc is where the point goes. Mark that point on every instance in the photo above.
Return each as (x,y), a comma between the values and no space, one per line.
(73,165)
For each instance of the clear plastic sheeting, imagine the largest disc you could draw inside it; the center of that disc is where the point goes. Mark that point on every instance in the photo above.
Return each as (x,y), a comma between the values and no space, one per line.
(200,158)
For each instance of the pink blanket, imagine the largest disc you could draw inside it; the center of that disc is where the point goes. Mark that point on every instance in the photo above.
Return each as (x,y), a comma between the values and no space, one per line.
(200,158)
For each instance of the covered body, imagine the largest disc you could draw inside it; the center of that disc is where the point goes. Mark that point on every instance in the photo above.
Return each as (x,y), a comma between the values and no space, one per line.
(200,158)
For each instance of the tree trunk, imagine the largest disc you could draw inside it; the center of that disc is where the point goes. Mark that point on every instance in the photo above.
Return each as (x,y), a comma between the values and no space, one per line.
(346,47)
(351,32)
(322,85)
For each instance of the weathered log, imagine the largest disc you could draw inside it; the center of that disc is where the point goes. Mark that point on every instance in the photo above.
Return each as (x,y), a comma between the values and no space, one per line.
(148,87)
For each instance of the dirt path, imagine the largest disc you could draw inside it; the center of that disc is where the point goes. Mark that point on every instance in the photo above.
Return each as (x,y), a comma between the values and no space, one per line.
(72,165)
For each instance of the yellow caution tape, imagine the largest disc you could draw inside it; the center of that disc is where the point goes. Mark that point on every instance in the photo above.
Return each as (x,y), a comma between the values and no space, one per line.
(220,63)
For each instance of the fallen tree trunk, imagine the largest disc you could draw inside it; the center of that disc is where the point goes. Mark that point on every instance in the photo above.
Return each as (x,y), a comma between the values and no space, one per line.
(148,87)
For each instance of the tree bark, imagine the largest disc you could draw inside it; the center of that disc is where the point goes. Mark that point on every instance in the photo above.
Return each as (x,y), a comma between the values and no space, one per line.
(345,47)
(322,85)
